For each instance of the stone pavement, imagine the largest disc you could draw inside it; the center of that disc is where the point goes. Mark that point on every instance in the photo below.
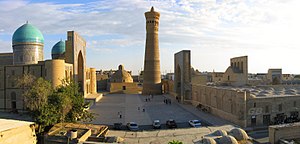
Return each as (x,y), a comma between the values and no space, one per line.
(109,106)
(127,104)
(204,116)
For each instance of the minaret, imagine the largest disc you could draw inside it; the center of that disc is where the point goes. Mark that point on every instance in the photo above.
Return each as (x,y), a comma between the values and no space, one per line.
(152,77)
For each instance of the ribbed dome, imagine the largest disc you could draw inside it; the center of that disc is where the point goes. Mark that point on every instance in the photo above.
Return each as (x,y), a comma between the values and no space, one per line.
(59,48)
(208,140)
(27,33)
(239,134)
(121,75)
(227,140)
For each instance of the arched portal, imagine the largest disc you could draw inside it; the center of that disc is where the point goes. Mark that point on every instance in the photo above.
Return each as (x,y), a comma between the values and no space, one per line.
(178,81)
(80,72)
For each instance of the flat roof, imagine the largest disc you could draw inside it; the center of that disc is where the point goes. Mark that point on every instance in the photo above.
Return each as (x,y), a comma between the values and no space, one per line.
(267,90)
(6,124)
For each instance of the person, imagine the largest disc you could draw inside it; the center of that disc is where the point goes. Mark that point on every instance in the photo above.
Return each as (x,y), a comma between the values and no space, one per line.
(138,108)
(120,115)
(143,109)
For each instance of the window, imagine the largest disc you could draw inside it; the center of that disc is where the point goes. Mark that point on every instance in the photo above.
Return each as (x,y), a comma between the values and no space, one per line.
(21,58)
(295,103)
(12,72)
(254,104)
(32,58)
(280,107)
(124,87)
(228,77)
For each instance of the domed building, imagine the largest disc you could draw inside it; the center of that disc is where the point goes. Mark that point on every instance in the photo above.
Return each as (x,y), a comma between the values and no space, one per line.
(68,62)
(58,50)
(121,75)
(28,45)
(121,82)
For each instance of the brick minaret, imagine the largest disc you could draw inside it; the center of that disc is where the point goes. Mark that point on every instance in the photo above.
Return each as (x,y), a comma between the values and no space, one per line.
(152,76)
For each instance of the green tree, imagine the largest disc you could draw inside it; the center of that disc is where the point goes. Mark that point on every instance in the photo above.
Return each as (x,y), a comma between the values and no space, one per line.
(175,142)
(48,106)
(78,110)
(36,94)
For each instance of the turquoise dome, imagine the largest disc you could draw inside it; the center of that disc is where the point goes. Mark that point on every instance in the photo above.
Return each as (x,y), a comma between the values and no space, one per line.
(27,33)
(59,48)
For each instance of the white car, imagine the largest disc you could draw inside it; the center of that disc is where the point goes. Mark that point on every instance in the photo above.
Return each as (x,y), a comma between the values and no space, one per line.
(156,124)
(194,123)
(132,126)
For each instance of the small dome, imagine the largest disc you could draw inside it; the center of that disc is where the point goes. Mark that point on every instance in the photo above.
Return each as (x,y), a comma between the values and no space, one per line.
(59,48)
(227,140)
(27,33)
(219,133)
(208,140)
(239,134)
(121,75)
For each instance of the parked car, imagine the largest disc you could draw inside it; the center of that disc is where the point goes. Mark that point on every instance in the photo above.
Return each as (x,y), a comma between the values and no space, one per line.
(156,124)
(171,123)
(117,126)
(132,126)
(194,123)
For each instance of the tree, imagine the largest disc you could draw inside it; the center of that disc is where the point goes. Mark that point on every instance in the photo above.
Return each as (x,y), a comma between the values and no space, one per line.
(48,106)
(175,142)
(36,94)
(78,110)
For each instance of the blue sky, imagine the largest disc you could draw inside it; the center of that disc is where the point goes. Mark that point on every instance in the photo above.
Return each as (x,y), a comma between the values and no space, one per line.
(214,30)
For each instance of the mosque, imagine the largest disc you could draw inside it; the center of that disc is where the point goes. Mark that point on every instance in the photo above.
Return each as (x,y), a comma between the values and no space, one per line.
(68,62)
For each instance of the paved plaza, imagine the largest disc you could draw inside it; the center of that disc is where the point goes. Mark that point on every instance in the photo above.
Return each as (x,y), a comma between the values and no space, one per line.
(131,107)
(111,105)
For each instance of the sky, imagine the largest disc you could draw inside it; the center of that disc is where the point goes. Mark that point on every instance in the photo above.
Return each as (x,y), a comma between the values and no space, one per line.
(267,31)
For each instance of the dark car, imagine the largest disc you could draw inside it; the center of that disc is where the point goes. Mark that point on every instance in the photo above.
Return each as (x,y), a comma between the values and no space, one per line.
(171,123)
(117,126)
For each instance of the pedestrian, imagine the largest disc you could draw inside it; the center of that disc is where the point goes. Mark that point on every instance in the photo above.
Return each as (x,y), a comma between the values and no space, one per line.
(143,109)
(138,108)
(146,99)
(120,116)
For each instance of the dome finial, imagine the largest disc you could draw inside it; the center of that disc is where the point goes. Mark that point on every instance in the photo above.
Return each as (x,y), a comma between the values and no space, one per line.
(152,9)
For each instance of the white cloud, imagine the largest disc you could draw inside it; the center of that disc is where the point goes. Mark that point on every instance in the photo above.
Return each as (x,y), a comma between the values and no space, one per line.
(209,28)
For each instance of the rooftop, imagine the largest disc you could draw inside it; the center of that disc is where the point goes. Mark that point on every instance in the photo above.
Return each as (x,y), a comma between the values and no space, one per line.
(267,91)
(6,124)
